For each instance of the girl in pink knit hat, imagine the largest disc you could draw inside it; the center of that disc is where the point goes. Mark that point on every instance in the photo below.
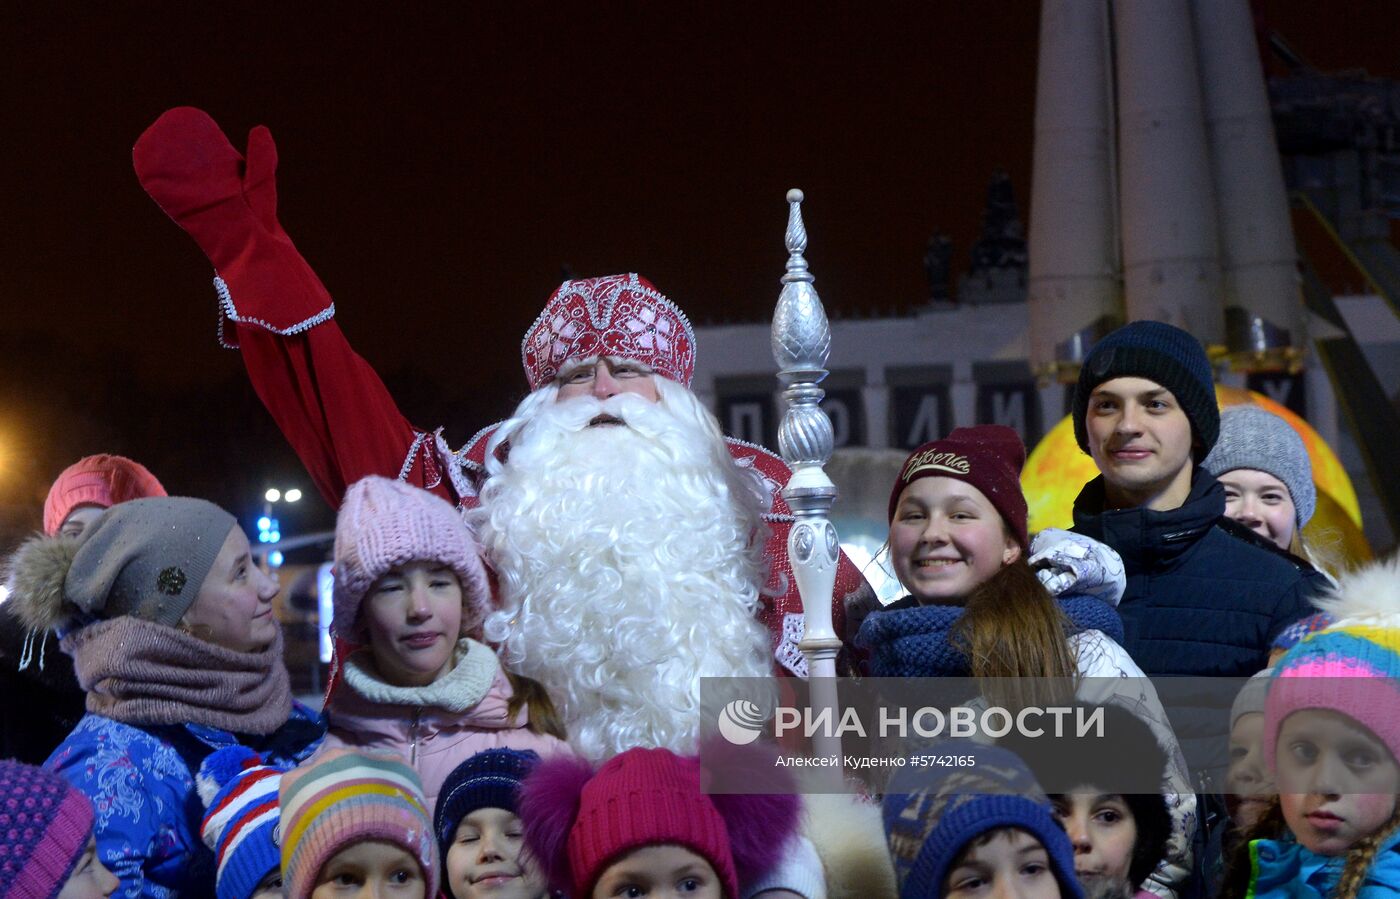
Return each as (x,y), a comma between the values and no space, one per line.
(91,486)
(642,825)
(46,695)
(411,591)
(1332,746)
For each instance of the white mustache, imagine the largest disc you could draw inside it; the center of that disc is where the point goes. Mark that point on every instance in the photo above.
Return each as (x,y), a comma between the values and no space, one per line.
(583,412)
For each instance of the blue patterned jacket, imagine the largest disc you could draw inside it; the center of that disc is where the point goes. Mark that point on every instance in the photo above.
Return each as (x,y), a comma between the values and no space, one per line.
(141,783)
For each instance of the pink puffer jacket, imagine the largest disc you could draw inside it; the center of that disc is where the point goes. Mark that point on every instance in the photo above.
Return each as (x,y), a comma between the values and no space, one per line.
(437,727)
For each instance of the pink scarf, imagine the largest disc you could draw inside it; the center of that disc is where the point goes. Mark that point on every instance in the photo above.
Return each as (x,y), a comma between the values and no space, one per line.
(141,673)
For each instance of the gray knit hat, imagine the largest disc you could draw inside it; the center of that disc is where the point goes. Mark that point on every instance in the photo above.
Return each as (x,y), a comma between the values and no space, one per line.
(1253,437)
(1251,696)
(147,558)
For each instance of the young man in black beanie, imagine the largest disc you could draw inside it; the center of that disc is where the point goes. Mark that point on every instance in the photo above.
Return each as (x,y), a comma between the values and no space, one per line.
(1205,596)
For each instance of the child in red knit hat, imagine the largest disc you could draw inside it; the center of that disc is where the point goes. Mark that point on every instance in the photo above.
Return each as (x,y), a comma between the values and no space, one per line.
(47,848)
(91,486)
(641,822)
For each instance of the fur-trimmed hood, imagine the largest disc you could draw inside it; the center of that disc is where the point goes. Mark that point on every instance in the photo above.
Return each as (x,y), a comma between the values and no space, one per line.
(35,575)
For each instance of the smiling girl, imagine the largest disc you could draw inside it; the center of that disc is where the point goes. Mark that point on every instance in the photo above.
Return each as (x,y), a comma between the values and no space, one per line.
(1264,467)
(410,587)
(975,608)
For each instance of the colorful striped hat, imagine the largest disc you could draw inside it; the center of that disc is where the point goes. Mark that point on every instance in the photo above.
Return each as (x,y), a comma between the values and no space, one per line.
(1352,666)
(240,798)
(1300,630)
(341,798)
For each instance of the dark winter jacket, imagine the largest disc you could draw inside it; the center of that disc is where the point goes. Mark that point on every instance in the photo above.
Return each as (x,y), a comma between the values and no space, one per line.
(1205,596)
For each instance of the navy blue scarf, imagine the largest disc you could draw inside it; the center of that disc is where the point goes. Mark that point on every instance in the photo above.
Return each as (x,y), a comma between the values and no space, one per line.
(914,641)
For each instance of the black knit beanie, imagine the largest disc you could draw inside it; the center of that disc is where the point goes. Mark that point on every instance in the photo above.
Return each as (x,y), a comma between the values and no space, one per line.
(1161,353)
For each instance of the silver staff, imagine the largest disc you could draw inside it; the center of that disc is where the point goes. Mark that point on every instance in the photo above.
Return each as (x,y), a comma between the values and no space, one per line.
(801,343)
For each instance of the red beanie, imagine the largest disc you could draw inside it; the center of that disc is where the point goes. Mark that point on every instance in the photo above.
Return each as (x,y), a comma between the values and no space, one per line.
(989,457)
(100,480)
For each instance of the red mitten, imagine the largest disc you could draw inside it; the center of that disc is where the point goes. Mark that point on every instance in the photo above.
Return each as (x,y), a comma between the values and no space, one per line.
(229,207)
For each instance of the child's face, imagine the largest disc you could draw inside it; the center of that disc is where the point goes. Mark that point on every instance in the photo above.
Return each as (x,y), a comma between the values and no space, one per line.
(89,880)
(1005,863)
(484,859)
(1103,832)
(659,872)
(413,616)
(1337,783)
(1248,784)
(947,539)
(371,870)
(1260,502)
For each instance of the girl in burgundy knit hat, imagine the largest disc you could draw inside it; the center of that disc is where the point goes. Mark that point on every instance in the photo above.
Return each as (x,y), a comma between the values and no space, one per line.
(641,824)
(978,608)
(410,589)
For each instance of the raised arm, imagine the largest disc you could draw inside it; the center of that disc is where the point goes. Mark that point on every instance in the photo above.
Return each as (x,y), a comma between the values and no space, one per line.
(329,403)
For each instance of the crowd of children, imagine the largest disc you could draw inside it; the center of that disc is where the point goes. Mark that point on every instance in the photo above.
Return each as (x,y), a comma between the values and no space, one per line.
(433,770)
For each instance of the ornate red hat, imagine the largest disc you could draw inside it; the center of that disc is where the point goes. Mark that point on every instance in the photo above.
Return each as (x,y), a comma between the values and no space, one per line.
(615,315)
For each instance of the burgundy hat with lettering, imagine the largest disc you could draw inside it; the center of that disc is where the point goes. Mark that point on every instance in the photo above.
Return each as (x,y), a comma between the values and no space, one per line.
(989,457)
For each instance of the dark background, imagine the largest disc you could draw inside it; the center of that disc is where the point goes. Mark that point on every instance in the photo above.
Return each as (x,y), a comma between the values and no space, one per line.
(440,168)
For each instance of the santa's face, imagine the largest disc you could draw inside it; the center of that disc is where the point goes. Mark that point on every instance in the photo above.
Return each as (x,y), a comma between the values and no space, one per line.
(606,377)
(630,562)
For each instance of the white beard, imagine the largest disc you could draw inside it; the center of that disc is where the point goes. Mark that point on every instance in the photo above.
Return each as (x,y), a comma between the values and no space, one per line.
(630,561)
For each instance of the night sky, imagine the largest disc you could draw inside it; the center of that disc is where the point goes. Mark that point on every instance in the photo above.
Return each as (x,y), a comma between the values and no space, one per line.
(440,167)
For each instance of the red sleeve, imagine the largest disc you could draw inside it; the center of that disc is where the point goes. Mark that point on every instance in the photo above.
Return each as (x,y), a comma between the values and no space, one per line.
(335,411)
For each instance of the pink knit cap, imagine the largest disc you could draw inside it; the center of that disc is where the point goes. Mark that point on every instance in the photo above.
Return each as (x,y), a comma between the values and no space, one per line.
(45,824)
(100,480)
(646,797)
(384,523)
(1351,666)
(578,822)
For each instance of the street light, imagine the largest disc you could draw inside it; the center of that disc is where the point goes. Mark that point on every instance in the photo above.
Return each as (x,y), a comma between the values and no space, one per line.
(269,530)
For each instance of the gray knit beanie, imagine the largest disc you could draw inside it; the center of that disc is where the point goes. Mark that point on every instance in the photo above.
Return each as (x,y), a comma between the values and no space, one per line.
(1251,696)
(147,558)
(1253,437)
